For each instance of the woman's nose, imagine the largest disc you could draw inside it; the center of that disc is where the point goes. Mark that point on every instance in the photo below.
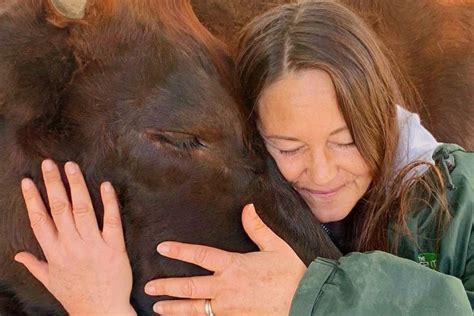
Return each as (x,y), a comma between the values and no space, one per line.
(323,168)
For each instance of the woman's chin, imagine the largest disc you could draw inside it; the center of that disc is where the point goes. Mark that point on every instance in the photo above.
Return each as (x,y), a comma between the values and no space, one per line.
(328,215)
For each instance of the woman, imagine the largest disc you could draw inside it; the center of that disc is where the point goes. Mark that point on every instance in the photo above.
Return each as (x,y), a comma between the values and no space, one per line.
(324,99)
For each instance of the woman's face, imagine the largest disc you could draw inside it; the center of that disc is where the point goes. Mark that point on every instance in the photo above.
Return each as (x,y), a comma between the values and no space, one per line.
(305,132)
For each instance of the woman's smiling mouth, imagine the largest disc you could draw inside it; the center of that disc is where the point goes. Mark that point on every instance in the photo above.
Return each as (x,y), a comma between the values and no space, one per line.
(323,194)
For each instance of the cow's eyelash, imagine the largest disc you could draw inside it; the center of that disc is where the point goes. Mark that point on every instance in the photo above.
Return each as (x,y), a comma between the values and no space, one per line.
(189,142)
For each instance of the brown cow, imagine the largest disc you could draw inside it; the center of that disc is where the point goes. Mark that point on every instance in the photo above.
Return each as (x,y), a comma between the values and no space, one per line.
(138,93)
(432,41)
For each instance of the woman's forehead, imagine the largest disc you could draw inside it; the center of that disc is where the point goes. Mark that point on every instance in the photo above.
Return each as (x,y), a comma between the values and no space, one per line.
(299,96)
(298,85)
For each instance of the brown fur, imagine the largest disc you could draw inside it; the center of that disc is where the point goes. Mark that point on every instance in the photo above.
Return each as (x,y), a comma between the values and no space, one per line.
(140,94)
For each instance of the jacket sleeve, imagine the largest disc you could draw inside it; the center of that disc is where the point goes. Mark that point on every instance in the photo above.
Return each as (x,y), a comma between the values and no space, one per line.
(377,283)
(468,269)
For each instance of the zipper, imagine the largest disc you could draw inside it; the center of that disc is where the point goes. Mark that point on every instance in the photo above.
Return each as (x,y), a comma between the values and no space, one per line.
(326,230)
(447,165)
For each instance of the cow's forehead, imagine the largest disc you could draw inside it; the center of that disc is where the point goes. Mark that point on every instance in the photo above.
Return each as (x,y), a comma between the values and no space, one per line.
(151,78)
(130,71)
(153,72)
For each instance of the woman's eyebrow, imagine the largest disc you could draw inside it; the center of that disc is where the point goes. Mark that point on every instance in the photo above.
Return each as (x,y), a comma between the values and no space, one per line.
(336,131)
(280,137)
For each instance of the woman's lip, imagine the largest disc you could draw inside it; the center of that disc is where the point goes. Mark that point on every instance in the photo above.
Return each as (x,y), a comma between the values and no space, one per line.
(326,193)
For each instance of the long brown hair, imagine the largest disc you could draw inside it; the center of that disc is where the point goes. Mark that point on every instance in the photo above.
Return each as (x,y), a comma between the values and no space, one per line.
(327,36)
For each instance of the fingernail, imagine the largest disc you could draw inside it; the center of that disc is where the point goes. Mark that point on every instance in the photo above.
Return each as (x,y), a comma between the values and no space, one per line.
(149,288)
(163,248)
(252,213)
(71,168)
(18,258)
(250,208)
(107,187)
(157,308)
(48,165)
(26,184)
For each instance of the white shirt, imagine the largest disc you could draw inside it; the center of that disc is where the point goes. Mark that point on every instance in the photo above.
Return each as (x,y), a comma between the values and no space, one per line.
(415,142)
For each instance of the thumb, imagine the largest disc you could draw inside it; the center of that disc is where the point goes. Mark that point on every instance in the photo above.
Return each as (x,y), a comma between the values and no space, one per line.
(38,268)
(260,233)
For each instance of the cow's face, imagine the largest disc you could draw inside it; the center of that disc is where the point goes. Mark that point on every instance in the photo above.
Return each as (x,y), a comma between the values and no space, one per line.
(141,95)
(147,104)
(166,118)
(150,108)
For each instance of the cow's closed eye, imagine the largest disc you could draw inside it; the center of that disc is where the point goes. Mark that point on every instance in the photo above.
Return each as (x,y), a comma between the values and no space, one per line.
(175,140)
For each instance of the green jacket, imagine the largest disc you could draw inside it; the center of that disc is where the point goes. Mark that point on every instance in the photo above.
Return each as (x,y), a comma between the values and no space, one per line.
(378,283)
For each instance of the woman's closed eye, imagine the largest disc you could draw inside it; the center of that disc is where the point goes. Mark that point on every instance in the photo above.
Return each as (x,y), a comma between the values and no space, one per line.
(289,152)
(345,145)
(342,141)
(284,148)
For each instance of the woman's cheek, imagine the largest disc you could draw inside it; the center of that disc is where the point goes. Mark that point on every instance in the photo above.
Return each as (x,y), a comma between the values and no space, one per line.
(352,161)
(290,168)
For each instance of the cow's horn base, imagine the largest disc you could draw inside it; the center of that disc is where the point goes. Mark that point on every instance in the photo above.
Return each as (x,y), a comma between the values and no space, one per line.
(72,9)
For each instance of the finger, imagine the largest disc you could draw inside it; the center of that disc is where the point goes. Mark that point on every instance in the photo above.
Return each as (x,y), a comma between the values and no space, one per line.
(181,307)
(112,231)
(259,232)
(58,200)
(187,287)
(82,209)
(209,258)
(38,268)
(40,221)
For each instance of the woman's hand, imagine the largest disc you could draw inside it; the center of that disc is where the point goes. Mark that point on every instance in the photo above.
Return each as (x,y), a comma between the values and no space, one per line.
(257,283)
(87,270)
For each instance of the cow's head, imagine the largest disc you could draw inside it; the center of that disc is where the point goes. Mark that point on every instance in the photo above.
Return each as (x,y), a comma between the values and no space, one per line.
(138,93)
